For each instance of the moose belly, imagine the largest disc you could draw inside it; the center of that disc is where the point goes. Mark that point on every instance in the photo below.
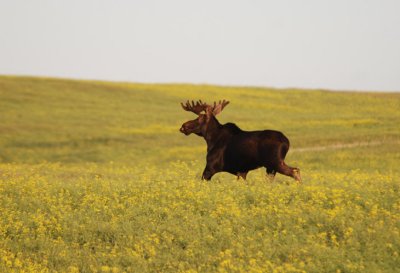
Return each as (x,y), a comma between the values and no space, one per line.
(241,157)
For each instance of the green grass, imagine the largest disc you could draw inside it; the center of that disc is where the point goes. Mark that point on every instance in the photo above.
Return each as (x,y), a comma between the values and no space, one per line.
(79,121)
(95,176)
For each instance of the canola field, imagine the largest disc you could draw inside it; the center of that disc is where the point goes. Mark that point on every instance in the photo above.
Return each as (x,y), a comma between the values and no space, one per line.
(95,177)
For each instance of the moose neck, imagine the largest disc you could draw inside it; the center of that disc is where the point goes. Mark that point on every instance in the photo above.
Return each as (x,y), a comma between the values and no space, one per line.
(212,132)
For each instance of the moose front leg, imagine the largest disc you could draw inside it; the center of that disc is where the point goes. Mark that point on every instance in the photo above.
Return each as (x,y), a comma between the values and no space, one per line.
(208,173)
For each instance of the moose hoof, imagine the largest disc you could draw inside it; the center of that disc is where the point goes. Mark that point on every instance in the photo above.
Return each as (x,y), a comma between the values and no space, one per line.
(296,176)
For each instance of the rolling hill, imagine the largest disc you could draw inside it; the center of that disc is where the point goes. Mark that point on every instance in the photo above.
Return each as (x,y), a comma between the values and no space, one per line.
(96,177)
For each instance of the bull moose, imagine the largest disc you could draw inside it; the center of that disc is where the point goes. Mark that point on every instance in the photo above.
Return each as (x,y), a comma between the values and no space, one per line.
(232,150)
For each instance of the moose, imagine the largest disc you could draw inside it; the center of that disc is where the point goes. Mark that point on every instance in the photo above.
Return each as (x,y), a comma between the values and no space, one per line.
(232,150)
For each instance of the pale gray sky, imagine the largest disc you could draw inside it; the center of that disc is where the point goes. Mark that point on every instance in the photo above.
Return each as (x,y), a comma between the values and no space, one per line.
(341,44)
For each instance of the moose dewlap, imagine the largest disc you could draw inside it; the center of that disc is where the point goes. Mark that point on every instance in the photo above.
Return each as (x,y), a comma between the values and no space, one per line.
(232,150)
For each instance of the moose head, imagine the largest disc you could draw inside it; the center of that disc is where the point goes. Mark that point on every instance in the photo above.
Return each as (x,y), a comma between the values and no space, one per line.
(206,114)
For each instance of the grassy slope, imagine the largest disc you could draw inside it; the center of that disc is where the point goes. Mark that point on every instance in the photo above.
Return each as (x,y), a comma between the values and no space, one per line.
(65,207)
(80,121)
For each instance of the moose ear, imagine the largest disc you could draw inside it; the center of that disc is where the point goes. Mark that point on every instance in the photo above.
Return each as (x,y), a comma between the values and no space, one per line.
(209,112)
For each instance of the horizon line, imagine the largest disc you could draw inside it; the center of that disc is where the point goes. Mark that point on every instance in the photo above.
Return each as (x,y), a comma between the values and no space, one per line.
(222,85)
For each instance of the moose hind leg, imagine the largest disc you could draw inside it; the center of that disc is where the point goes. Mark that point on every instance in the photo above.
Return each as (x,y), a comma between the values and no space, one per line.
(241,175)
(289,171)
(270,174)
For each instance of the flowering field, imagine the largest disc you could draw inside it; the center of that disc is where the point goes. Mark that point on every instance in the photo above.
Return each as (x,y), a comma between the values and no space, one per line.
(114,219)
(95,177)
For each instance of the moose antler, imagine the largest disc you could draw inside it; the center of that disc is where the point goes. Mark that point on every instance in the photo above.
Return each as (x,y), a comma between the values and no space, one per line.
(217,108)
(200,106)
(195,107)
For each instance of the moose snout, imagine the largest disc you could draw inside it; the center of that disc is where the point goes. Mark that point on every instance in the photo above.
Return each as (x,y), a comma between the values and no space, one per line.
(183,130)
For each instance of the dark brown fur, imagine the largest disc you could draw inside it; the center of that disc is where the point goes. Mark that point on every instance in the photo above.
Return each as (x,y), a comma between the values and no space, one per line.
(232,150)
